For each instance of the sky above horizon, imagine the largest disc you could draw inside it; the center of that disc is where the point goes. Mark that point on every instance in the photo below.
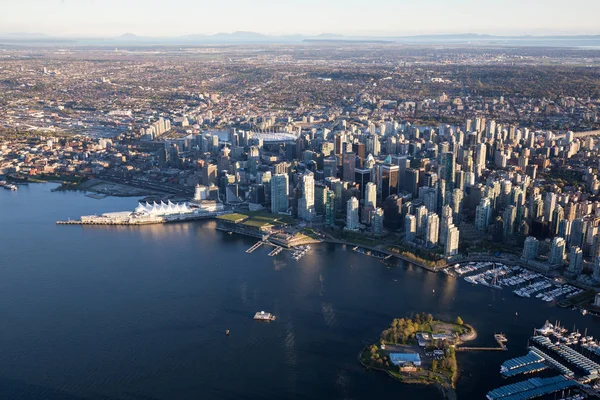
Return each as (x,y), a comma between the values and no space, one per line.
(274,17)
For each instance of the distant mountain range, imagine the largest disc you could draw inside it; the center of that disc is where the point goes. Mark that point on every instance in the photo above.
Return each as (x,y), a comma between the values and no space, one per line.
(242,37)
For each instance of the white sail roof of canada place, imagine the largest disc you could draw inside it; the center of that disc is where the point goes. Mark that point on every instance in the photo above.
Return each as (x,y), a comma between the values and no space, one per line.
(162,208)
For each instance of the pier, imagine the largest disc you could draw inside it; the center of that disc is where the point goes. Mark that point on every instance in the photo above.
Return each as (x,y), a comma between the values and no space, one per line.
(275,251)
(500,339)
(255,246)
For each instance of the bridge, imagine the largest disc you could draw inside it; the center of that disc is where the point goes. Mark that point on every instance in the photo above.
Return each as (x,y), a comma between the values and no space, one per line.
(580,134)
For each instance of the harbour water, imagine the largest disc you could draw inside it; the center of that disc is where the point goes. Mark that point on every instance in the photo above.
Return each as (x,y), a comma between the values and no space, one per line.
(117,312)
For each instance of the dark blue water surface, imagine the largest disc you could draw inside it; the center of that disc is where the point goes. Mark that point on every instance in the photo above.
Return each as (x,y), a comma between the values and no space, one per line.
(140,313)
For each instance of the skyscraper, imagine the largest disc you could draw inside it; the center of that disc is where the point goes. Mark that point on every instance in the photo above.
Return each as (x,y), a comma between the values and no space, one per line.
(306,204)
(410,227)
(421,215)
(389,180)
(349,163)
(445,223)
(575,261)
(279,193)
(448,168)
(549,205)
(557,253)
(352,214)
(483,214)
(432,229)
(452,237)
(530,248)
(377,222)
(329,208)
(370,194)
(509,217)
(596,274)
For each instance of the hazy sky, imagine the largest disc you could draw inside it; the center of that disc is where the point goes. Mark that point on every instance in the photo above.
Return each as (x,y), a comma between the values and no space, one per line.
(380,17)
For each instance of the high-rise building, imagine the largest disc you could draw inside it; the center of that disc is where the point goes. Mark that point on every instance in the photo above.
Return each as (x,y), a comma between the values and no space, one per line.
(279,193)
(411,181)
(448,168)
(432,230)
(329,208)
(421,215)
(549,205)
(509,217)
(377,222)
(429,197)
(483,214)
(370,194)
(349,164)
(579,229)
(362,176)
(452,237)
(564,230)
(596,273)
(389,180)
(306,204)
(445,223)
(557,253)
(575,261)
(352,223)
(456,204)
(410,227)
(209,174)
(530,248)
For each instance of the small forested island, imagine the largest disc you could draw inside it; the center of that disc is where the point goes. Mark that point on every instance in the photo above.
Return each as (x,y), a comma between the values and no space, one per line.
(421,350)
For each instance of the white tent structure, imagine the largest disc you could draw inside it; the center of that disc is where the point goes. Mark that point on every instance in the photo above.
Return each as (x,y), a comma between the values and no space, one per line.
(156,209)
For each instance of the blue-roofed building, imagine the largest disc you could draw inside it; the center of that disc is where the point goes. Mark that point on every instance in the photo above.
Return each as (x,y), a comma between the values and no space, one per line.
(404,358)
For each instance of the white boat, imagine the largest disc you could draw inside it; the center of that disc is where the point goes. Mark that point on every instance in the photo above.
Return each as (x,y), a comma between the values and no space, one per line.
(264,316)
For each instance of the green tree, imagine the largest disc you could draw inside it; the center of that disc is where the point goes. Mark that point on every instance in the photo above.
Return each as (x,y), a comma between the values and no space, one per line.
(459,321)
(434,365)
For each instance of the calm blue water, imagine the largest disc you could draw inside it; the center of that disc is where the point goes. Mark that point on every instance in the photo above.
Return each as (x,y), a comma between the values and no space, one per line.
(140,313)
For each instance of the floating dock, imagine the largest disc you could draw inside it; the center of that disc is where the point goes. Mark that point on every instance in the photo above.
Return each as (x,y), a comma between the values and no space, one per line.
(275,251)
(255,246)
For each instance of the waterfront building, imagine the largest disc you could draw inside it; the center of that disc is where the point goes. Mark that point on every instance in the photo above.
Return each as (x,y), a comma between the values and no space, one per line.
(329,208)
(306,204)
(530,248)
(410,227)
(432,229)
(575,261)
(452,239)
(352,222)
(279,193)
(377,222)
(557,252)
(445,223)
(421,215)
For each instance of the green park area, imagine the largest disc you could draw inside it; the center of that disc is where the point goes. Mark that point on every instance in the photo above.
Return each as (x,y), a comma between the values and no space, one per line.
(432,342)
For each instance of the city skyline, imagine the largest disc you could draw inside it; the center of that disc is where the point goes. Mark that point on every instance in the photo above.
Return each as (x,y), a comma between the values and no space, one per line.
(381,18)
